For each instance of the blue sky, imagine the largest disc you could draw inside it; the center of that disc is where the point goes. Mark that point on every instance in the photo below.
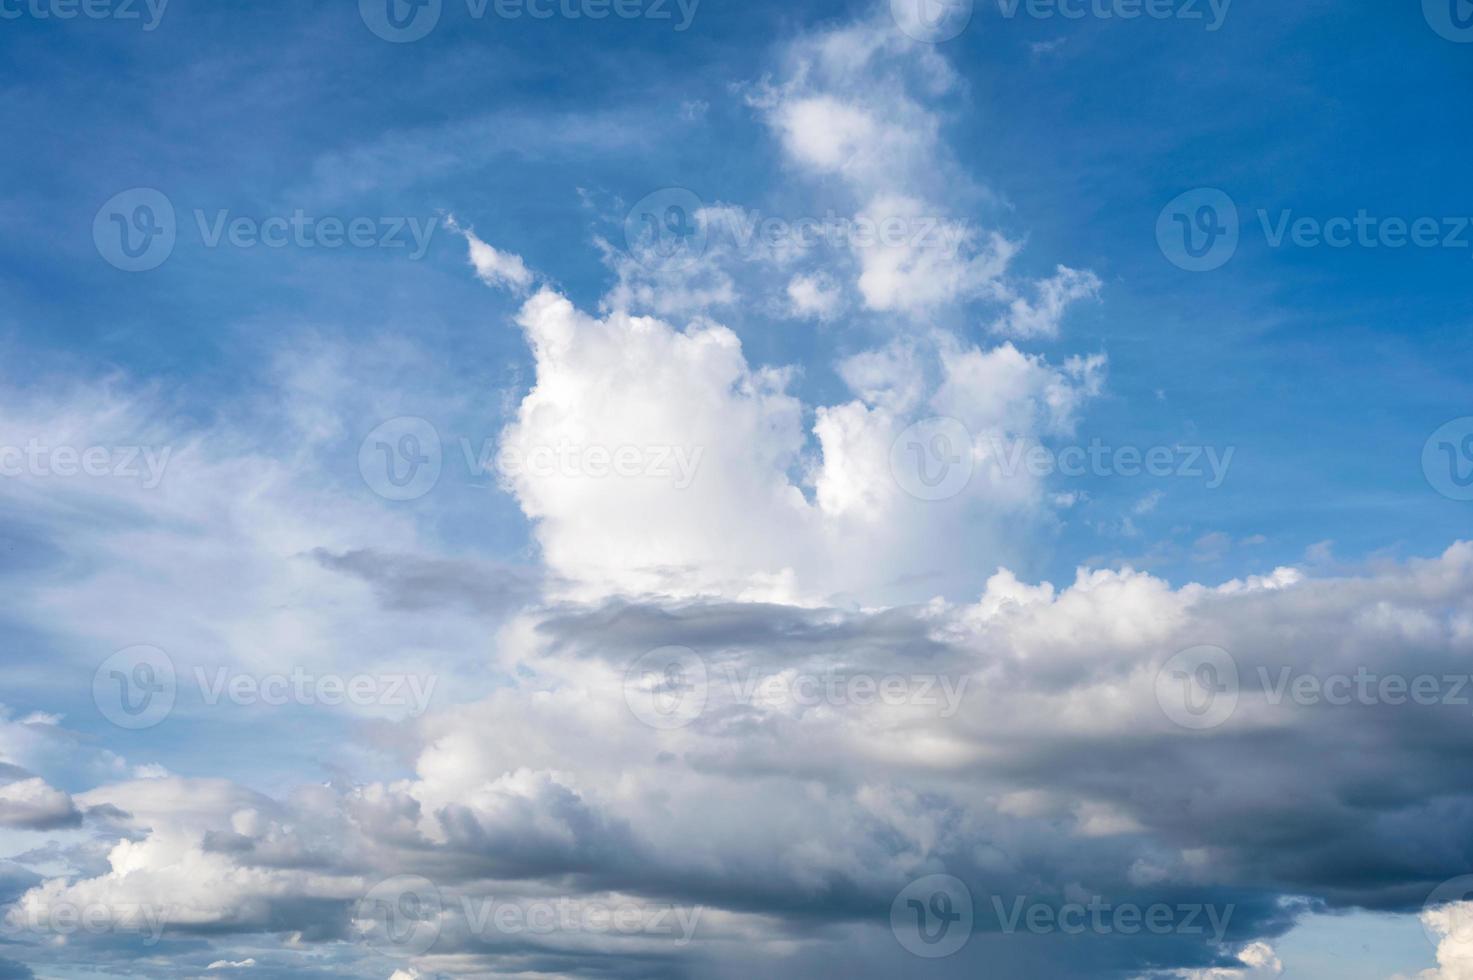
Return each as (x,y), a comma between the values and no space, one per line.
(1322,110)
(516,148)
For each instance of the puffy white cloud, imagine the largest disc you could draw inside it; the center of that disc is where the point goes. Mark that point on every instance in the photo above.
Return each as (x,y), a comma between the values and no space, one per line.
(1040,317)
(641,446)
(494,267)
(1259,960)
(850,104)
(932,262)
(814,296)
(1452,927)
(831,136)
(35,805)
(647,284)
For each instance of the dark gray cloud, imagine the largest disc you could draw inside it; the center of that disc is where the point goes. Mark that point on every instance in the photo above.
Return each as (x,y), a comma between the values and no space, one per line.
(1059,781)
(411,583)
